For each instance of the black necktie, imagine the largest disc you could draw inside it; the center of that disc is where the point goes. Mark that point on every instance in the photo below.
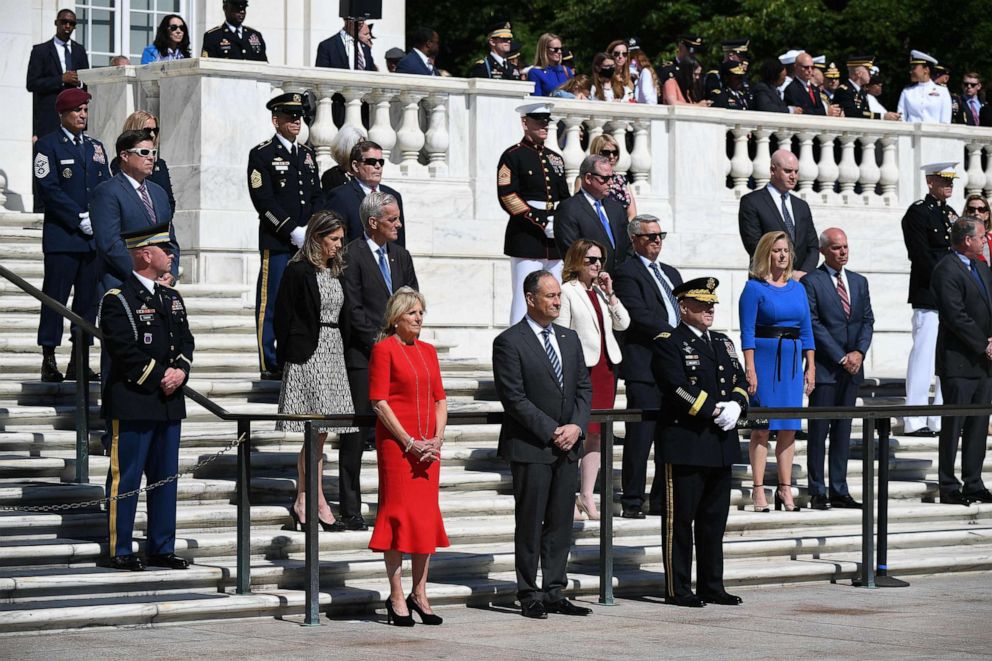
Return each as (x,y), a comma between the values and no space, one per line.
(973,265)
(67,56)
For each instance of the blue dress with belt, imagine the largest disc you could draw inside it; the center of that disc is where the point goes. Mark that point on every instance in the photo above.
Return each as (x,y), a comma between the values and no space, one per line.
(767,311)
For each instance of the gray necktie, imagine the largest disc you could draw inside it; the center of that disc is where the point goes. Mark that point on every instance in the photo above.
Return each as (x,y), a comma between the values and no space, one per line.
(147,201)
(790,225)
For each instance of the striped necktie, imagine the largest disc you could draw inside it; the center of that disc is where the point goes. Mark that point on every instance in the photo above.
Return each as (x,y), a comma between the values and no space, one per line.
(147,201)
(553,356)
(845,300)
(668,293)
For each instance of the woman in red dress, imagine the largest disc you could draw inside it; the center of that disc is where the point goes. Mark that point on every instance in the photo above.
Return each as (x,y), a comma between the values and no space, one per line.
(591,309)
(408,397)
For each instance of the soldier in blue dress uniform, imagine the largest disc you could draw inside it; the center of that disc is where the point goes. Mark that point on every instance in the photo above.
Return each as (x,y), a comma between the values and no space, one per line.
(284,186)
(146,335)
(68,165)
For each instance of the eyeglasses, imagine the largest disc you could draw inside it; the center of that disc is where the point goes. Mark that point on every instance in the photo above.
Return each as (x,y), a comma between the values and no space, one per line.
(610,153)
(619,53)
(967,84)
(603,178)
(144,152)
(977,209)
(653,236)
(65,21)
(591,259)
(805,66)
(372,162)
(554,50)
(505,40)
(176,28)
(153,131)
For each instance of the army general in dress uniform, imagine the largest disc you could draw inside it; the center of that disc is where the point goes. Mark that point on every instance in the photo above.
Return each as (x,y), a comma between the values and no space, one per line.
(497,64)
(284,186)
(232,40)
(146,335)
(702,379)
(530,182)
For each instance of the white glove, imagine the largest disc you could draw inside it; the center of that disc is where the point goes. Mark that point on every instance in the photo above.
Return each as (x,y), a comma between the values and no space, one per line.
(549,229)
(729,414)
(297,236)
(85,226)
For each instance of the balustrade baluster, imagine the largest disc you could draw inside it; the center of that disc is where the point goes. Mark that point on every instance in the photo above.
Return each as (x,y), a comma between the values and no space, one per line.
(889,180)
(870,174)
(807,166)
(640,158)
(552,139)
(740,164)
(410,138)
(849,171)
(594,127)
(988,172)
(618,129)
(437,135)
(353,107)
(572,152)
(761,165)
(976,176)
(323,130)
(381,131)
(828,170)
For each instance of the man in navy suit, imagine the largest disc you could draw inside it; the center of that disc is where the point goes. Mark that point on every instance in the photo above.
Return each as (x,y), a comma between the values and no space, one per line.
(68,166)
(52,68)
(338,52)
(544,387)
(775,209)
(593,214)
(843,322)
(367,164)
(128,202)
(420,59)
(644,285)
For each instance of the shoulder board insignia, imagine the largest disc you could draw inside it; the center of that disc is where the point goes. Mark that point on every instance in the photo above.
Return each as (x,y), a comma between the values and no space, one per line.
(112,292)
(214,29)
(918,202)
(712,71)
(482,61)
(717,92)
(663,336)
(262,144)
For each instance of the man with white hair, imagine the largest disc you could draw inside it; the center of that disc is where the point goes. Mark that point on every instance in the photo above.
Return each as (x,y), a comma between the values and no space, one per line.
(924,100)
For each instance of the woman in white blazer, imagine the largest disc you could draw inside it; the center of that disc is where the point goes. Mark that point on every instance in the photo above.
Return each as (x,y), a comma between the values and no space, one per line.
(591,309)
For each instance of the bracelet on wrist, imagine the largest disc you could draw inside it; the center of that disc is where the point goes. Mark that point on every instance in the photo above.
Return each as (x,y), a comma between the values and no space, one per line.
(409,444)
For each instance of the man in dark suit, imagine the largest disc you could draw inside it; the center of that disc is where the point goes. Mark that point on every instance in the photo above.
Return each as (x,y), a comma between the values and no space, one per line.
(367,165)
(802,92)
(284,188)
(843,322)
(232,39)
(644,285)
(338,52)
(962,285)
(143,400)
(496,63)
(969,103)
(68,165)
(593,214)
(53,67)
(703,382)
(775,209)
(420,59)
(544,387)
(377,266)
(128,202)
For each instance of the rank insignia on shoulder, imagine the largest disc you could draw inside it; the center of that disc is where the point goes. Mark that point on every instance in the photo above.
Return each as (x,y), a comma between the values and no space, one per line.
(112,292)
(256,179)
(663,336)
(505,176)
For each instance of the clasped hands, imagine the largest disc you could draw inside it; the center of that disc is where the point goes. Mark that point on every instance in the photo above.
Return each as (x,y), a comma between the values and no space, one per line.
(566,436)
(427,450)
(988,349)
(727,414)
(172,380)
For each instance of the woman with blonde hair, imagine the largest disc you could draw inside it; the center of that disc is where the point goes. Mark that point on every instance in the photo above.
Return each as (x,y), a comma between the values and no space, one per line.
(605,145)
(143,120)
(408,397)
(548,74)
(590,307)
(646,90)
(776,336)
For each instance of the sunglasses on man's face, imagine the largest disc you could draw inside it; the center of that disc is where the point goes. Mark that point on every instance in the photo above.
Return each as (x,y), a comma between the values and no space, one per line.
(68,22)
(144,152)
(372,162)
(653,236)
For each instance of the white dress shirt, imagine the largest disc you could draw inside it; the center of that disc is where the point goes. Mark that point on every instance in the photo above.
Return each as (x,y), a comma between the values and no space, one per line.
(538,330)
(777,200)
(664,297)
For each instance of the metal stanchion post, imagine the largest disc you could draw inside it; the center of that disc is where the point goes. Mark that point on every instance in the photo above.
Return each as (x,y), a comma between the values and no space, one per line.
(867,578)
(311,460)
(81,359)
(606,513)
(244,507)
(882,579)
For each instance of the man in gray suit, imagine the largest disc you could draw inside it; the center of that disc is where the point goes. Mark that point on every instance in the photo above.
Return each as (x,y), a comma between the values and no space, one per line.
(544,386)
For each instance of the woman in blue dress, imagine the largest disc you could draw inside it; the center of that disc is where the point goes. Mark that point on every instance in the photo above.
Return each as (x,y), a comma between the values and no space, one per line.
(776,336)
(171,41)
(548,73)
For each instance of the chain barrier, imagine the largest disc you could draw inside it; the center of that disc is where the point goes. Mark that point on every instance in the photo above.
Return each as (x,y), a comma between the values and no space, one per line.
(61,507)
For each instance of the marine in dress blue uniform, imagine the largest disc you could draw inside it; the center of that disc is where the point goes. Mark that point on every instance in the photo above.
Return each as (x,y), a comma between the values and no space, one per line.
(702,380)
(68,165)
(146,334)
(284,187)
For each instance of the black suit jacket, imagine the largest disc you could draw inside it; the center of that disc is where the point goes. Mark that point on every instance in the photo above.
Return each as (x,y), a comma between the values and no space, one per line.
(765,97)
(576,219)
(758,215)
(835,333)
(533,402)
(985,116)
(297,318)
(963,114)
(637,289)
(331,53)
(365,296)
(926,231)
(44,81)
(965,318)
(347,198)
(796,95)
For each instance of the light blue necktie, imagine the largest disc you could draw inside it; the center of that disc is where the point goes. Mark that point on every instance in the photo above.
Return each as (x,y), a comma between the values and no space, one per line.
(668,293)
(384,267)
(606,223)
(553,356)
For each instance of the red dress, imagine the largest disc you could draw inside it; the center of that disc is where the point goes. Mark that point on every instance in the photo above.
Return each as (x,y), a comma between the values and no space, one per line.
(408,377)
(601,374)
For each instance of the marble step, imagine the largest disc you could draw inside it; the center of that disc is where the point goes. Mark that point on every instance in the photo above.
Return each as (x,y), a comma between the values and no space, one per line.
(366,595)
(10,235)
(20,303)
(21,219)
(201,325)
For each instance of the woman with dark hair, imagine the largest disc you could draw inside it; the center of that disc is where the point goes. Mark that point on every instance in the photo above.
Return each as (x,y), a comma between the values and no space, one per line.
(684,88)
(765,94)
(620,53)
(171,41)
(606,86)
(548,74)
(310,348)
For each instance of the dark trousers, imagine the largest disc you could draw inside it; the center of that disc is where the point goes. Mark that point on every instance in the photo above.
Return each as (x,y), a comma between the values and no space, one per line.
(151,448)
(842,393)
(269,276)
(352,445)
(65,271)
(972,430)
(637,447)
(694,497)
(545,500)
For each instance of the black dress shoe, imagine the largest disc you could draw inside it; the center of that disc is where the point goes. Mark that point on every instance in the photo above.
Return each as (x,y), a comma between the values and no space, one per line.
(845,502)
(565,607)
(802,436)
(70,373)
(689,601)
(167,560)
(723,599)
(355,523)
(983,496)
(126,562)
(50,370)
(818,501)
(654,511)
(955,498)
(273,375)
(534,609)
(922,432)
(631,513)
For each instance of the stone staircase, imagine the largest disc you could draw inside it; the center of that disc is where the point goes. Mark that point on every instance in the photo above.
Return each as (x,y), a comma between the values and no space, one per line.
(49,578)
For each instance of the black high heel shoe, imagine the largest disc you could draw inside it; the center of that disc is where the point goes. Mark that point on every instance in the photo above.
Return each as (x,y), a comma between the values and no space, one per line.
(425,618)
(761,488)
(781,504)
(296,519)
(337,526)
(397,620)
